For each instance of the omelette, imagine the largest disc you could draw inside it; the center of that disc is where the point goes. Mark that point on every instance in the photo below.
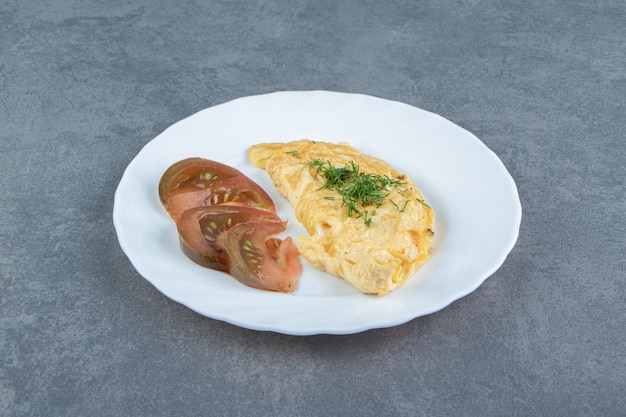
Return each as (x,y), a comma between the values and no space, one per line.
(367,223)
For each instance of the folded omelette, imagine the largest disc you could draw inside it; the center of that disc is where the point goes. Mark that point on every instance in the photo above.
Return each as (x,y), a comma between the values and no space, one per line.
(368,224)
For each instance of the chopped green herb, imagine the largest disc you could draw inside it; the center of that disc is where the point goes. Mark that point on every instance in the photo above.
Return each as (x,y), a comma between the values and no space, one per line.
(367,218)
(356,188)
(422,202)
(400,210)
(294,153)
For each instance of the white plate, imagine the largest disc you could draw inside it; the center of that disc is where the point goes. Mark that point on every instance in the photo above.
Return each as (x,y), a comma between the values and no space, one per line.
(475,198)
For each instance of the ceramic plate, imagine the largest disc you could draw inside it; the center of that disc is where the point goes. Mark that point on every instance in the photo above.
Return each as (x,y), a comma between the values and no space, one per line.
(475,198)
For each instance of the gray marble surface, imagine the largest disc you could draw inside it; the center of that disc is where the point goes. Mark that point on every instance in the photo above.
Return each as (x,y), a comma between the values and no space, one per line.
(84,85)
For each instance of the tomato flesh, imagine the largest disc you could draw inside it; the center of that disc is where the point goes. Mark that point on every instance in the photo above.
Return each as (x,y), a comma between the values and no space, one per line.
(195,182)
(202,231)
(261,260)
(227,222)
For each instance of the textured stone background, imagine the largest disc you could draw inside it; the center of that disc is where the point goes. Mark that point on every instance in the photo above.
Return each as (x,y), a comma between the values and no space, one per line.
(85,84)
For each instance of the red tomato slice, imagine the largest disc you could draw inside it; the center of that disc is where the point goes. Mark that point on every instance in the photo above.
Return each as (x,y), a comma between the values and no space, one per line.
(261,260)
(195,182)
(202,231)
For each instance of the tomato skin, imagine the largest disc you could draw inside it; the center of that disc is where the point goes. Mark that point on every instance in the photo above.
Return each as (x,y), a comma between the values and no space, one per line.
(194,182)
(227,222)
(260,260)
(202,231)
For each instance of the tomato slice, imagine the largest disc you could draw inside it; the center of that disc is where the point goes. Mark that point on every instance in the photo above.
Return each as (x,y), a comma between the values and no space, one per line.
(195,182)
(202,231)
(261,260)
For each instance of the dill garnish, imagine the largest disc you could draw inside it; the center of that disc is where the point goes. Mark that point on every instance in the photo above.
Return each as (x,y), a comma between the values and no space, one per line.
(293,153)
(357,189)
(400,210)
(419,200)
